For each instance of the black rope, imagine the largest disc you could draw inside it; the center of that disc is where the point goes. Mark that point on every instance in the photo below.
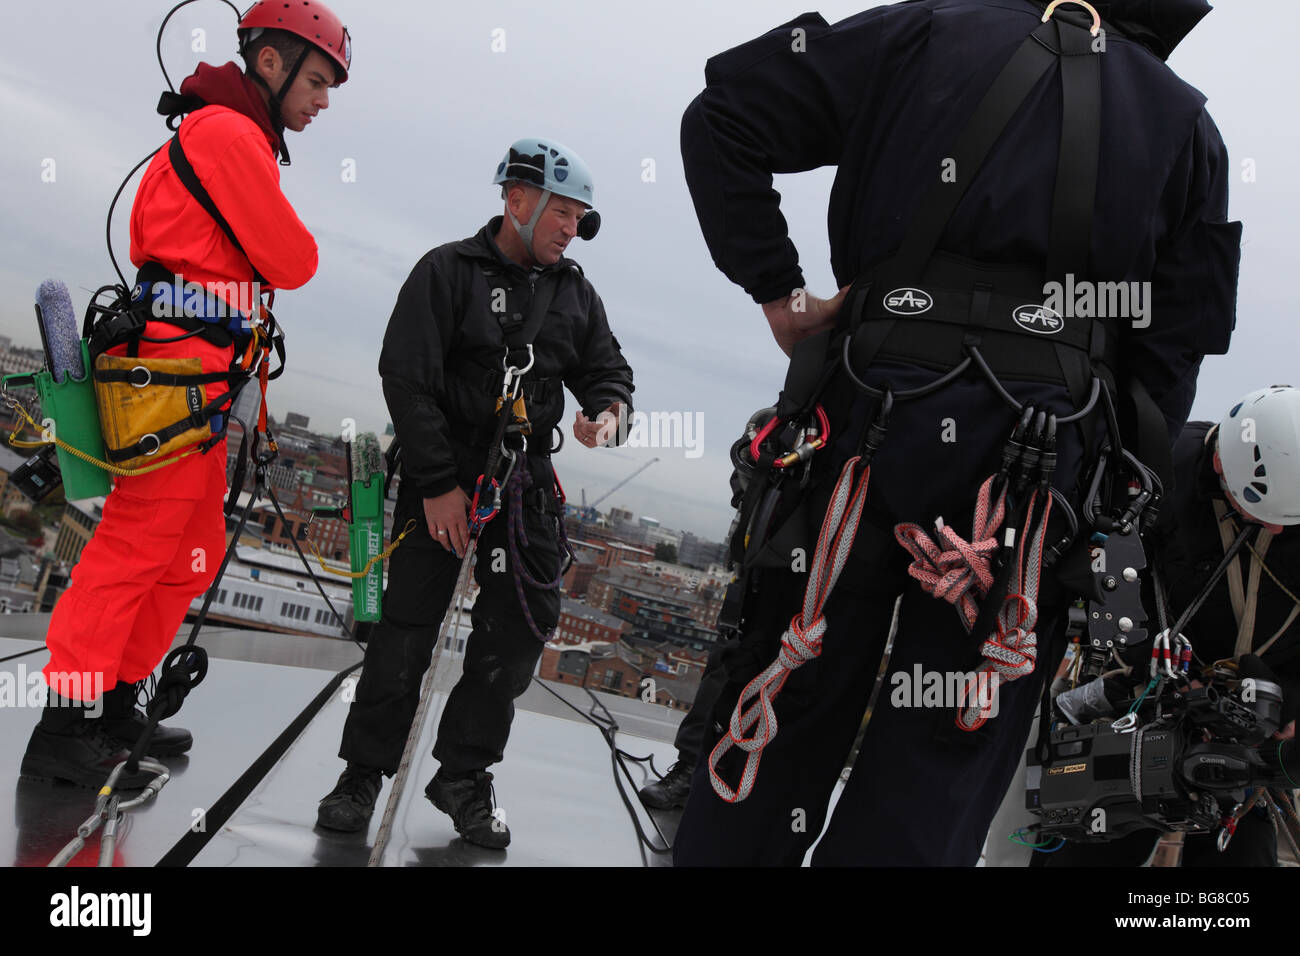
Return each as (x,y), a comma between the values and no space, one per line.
(184,667)
(319,587)
(108,225)
(608,727)
(190,845)
(163,26)
(14,657)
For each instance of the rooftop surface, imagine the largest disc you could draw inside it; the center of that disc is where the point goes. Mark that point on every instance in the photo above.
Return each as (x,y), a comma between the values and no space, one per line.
(556,784)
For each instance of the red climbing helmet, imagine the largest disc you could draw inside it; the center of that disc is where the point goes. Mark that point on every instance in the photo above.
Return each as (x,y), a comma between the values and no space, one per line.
(309,19)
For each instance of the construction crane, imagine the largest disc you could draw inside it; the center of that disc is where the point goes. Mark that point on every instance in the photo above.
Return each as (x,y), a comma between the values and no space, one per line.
(588,512)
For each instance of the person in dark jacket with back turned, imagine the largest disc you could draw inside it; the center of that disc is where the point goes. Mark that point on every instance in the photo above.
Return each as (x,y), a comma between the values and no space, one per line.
(1244,470)
(442,369)
(884,96)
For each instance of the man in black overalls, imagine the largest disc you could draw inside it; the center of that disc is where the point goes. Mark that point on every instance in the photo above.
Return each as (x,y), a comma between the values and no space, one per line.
(442,365)
(889,97)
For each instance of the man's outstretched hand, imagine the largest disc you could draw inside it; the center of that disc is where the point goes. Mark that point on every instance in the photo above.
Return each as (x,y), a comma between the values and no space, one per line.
(800,315)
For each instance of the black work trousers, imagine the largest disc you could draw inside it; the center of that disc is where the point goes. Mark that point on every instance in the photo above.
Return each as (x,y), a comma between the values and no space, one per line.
(922,791)
(695,727)
(500,655)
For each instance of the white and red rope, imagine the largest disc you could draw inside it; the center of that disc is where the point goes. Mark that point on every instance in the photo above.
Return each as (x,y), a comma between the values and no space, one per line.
(961,573)
(801,642)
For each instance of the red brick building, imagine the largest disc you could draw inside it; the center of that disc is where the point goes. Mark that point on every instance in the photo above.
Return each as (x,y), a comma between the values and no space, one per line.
(581,624)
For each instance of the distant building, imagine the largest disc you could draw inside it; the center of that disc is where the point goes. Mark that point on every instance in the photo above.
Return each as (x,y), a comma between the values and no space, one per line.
(272,591)
(660,609)
(53,581)
(623,668)
(696,552)
(586,562)
(580,624)
(80,519)
(9,495)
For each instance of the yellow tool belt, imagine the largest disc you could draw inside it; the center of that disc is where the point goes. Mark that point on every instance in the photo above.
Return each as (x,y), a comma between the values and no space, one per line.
(151,407)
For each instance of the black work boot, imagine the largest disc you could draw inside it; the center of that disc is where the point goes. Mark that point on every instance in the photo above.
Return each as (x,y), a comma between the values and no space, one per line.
(671,790)
(350,805)
(68,745)
(468,801)
(127,722)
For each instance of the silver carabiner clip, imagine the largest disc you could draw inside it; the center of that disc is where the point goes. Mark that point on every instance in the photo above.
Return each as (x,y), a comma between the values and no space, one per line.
(1125,723)
(510,456)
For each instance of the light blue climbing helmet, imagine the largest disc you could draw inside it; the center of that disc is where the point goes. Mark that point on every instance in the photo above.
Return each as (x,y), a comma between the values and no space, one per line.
(553,168)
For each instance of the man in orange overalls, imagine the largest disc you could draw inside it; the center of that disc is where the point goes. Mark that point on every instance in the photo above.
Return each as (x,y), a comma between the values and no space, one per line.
(157,546)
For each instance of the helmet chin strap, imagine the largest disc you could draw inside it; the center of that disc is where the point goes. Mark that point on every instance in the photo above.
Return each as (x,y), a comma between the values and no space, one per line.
(526,232)
(276,97)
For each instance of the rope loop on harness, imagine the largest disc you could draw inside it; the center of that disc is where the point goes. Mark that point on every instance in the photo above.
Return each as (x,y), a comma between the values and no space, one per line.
(954,569)
(962,573)
(754,726)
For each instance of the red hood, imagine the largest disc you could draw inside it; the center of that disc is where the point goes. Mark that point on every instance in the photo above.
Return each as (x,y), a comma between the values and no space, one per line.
(228,86)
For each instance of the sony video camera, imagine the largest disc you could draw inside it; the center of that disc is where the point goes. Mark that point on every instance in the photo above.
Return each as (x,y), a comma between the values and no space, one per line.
(1183,765)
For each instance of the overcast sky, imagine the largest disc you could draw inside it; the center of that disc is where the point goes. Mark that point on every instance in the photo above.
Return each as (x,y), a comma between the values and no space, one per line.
(426,115)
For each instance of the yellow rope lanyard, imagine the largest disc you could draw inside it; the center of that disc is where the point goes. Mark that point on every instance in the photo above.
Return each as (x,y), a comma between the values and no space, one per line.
(381,556)
(90,459)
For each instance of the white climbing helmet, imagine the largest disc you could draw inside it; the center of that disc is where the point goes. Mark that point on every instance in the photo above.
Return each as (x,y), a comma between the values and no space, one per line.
(554,169)
(1259,449)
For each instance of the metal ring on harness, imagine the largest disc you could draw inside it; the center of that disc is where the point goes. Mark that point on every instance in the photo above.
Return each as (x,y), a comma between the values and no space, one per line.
(514,374)
(156,443)
(1096,18)
(136,384)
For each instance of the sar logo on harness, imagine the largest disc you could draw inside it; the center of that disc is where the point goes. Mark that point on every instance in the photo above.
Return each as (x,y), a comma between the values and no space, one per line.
(908,301)
(1038,318)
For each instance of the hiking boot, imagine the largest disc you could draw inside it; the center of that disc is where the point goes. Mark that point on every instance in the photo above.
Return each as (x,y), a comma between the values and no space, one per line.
(68,745)
(350,805)
(671,790)
(127,722)
(468,801)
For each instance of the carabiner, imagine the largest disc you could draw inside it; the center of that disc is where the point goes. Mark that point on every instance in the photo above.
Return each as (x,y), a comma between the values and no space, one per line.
(514,373)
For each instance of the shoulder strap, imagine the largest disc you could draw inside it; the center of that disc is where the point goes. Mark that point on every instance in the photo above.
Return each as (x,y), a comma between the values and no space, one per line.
(519,330)
(522,336)
(1075,188)
(181,163)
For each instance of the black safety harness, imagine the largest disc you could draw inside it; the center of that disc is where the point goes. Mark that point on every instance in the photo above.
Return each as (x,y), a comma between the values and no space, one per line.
(955,316)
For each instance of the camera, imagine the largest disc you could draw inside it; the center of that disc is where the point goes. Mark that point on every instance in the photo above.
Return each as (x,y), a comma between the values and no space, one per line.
(1185,768)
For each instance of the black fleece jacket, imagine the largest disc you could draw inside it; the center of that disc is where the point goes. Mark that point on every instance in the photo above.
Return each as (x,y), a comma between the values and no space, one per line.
(441,359)
(882,95)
